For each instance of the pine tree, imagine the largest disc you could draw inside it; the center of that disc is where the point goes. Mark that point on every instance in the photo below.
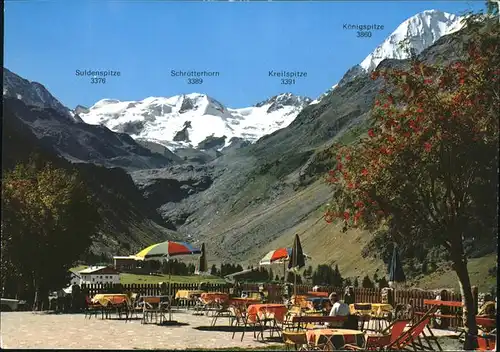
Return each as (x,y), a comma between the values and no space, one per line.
(367,283)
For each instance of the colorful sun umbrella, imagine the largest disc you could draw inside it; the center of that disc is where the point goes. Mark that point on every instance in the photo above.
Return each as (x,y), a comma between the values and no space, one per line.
(163,251)
(279,256)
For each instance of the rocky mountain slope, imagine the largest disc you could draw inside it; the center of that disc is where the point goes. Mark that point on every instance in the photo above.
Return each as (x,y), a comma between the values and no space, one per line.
(264,193)
(130,223)
(192,119)
(77,141)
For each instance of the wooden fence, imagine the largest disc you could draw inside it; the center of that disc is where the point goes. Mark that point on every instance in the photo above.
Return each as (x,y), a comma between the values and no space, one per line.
(414,297)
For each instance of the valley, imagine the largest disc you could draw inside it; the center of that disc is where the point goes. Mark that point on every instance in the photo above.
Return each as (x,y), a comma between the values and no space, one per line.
(241,180)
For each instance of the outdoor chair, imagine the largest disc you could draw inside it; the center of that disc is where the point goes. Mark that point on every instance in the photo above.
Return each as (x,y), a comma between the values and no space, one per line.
(408,338)
(486,342)
(242,318)
(133,307)
(375,342)
(200,306)
(150,309)
(298,340)
(364,315)
(293,311)
(93,308)
(222,311)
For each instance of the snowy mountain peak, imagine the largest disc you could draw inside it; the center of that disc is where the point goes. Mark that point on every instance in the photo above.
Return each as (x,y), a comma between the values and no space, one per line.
(416,33)
(411,37)
(188,119)
(285,99)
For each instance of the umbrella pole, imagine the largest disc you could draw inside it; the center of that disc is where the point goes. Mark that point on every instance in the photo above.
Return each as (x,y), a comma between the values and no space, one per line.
(295,284)
(169,293)
(284,272)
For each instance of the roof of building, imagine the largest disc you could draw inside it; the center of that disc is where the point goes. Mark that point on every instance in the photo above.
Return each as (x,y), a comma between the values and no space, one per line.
(97,269)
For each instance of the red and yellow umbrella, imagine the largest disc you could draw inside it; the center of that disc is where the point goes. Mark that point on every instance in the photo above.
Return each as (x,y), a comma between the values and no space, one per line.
(279,255)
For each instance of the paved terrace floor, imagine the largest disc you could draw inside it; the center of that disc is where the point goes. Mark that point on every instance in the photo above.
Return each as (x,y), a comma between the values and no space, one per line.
(73,331)
(42,330)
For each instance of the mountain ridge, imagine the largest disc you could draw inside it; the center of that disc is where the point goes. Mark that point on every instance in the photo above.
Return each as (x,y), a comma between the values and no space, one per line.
(161,119)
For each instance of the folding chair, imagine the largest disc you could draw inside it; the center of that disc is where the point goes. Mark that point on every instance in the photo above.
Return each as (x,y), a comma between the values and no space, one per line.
(486,342)
(242,318)
(374,342)
(408,337)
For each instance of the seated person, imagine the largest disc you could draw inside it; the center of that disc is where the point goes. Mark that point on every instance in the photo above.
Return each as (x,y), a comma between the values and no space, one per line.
(338,309)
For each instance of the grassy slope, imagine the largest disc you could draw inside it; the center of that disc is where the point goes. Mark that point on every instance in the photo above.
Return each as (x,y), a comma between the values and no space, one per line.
(147,279)
(126,278)
(325,243)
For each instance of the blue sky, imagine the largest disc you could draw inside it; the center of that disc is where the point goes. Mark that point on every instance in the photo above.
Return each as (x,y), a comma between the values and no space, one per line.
(46,41)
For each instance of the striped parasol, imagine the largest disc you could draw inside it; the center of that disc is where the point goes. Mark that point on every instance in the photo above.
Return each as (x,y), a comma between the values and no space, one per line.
(279,256)
(165,250)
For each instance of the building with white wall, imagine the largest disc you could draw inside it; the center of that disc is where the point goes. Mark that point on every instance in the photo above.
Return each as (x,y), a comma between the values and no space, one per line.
(99,275)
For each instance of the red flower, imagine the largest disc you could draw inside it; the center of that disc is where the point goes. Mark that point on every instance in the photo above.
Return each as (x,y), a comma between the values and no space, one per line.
(390,100)
(357,215)
(359,204)
(339,166)
(364,172)
(346,215)
(377,103)
(462,81)
(420,110)
(428,81)
(348,157)
(391,138)
(427,146)
(350,185)
(371,133)
(332,172)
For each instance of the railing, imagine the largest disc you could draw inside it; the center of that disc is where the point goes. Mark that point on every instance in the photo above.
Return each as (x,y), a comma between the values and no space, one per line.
(414,297)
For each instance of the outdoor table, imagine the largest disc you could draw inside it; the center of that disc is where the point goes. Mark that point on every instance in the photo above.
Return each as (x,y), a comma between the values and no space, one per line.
(317,302)
(300,300)
(337,337)
(113,299)
(376,308)
(276,310)
(188,294)
(268,311)
(243,301)
(377,313)
(211,297)
(317,294)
